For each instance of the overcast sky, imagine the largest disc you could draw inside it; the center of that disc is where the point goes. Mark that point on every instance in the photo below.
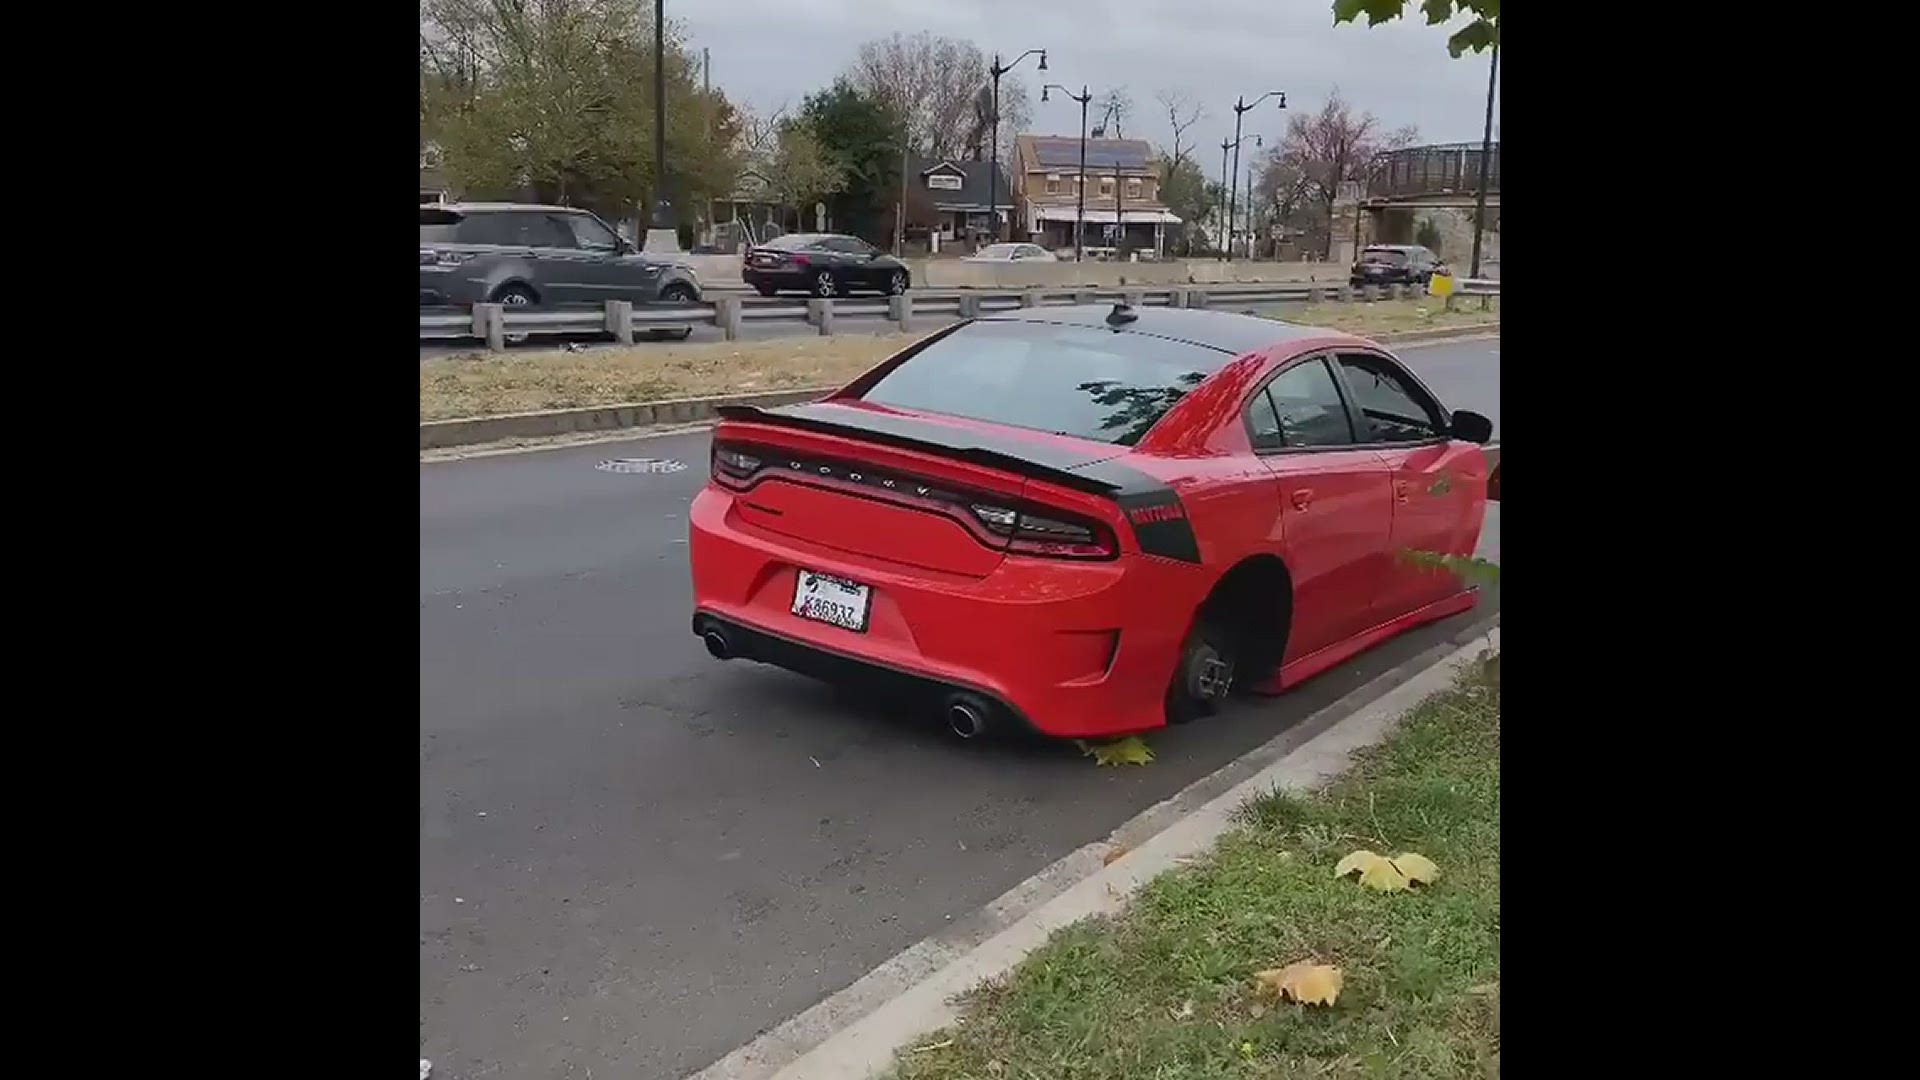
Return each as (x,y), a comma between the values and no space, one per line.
(770,52)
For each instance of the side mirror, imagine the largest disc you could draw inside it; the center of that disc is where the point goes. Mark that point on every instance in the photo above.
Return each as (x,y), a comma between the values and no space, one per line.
(1470,427)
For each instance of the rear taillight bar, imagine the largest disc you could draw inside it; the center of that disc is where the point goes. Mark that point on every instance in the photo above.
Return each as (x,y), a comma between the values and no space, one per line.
(993,520)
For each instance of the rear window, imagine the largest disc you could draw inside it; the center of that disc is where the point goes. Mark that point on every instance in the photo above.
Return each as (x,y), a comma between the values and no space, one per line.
(793,241)
(1384,255)
(437,226)
(1069,380)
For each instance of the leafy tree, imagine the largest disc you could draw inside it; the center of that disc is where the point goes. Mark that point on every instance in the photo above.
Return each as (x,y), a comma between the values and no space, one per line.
(1184,188)
(553,100)
(861,137)
(803,171)
(1481,32)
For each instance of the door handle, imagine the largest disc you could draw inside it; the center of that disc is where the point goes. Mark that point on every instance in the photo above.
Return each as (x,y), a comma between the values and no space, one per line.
(1303,498)
(1400,490)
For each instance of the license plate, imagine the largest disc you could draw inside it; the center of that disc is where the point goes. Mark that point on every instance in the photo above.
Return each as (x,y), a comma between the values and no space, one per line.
(831,600)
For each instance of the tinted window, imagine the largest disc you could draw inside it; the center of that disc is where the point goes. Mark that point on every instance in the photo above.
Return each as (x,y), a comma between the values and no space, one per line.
(531,229)
(437,226)
(1070,380)
(1263,423)
(589,233)
(1394,409)
(1379,255)
(1309,407)
(793,242)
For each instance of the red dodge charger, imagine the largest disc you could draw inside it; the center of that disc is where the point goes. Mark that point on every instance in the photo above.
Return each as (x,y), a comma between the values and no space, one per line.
(1090,521)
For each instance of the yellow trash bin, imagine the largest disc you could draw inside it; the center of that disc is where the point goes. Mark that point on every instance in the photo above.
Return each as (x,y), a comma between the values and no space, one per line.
(1440,285)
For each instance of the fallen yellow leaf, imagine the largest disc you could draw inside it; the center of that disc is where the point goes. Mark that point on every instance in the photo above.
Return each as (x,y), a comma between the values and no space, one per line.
(1416,867)
(1304,981)
(1359,860)
(1376,871)
(1383,875)
(1127,751)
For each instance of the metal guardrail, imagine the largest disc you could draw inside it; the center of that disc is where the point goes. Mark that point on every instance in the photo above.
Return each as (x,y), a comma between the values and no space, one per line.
(495,323)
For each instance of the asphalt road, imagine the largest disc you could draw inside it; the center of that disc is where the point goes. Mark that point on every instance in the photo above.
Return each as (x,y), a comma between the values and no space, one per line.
(633,857)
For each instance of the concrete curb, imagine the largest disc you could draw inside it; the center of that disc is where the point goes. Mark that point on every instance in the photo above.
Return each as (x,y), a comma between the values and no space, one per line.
(853,1034)
(467,431)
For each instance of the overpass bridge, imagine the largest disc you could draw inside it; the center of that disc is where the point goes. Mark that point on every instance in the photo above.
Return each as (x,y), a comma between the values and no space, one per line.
(1440,175)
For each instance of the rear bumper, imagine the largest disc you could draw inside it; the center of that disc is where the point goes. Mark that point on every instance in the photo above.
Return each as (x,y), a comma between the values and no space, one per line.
(1074,650)
(776,279)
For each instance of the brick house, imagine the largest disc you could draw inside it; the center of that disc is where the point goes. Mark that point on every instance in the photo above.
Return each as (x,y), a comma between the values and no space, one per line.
(1123,207)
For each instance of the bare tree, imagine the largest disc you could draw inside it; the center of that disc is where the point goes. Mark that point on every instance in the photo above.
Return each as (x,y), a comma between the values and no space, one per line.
(1182,113)
(1332,147)
(929,79)
(1114,107)
(1016,115)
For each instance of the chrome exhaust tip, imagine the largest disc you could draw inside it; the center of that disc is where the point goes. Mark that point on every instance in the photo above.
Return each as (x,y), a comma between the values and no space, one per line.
(969,716)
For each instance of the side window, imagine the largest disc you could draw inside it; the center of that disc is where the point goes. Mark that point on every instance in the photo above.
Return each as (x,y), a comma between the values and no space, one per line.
(590,234)
(1393,408)
(1308,407)
(488,229)
(842,245)
(543,230)
(1263,424)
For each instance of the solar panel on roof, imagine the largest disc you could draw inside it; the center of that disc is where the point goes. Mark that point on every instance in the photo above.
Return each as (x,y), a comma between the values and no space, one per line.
(1059,152)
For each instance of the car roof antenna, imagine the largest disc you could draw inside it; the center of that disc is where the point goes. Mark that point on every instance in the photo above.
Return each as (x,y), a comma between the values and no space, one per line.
(1121,315)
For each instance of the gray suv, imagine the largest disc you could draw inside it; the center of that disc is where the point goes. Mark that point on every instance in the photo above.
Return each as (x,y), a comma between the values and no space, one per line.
(515,253)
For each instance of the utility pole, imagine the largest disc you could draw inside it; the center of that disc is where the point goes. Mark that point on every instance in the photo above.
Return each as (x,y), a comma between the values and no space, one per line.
(1225,145)
(900,214)
(1486,154)
(662,216)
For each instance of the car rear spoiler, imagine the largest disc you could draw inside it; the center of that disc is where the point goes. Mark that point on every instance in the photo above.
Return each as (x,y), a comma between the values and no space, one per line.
(1018,457)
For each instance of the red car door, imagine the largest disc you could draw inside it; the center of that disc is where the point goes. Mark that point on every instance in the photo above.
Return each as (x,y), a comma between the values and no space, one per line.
(1434,478)
(1336,503)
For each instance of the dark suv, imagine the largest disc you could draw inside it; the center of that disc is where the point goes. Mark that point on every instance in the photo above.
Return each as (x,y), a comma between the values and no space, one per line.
(824,264)
(1396,264)
(513,253)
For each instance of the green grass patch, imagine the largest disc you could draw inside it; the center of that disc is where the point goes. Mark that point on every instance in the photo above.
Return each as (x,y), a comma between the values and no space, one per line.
(1165,990)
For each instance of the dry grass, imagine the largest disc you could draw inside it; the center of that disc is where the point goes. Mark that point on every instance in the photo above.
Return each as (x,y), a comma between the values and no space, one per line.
(482,384)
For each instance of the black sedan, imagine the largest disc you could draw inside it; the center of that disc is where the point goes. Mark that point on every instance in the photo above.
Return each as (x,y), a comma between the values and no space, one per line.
(824,264)
(1396,264)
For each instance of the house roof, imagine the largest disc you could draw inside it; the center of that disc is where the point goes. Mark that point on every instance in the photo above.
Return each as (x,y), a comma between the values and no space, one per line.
(1063,152)
(973,186)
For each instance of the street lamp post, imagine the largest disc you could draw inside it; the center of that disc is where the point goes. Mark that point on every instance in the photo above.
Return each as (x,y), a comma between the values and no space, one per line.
(1486,153)
(1232,211)
(1240,110)
(1080,182)
(996,70)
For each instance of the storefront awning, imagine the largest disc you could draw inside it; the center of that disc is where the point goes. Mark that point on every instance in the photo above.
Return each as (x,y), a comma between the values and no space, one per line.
(1106,217)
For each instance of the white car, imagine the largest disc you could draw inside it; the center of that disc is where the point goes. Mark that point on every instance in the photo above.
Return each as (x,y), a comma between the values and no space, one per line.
(1000,253)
